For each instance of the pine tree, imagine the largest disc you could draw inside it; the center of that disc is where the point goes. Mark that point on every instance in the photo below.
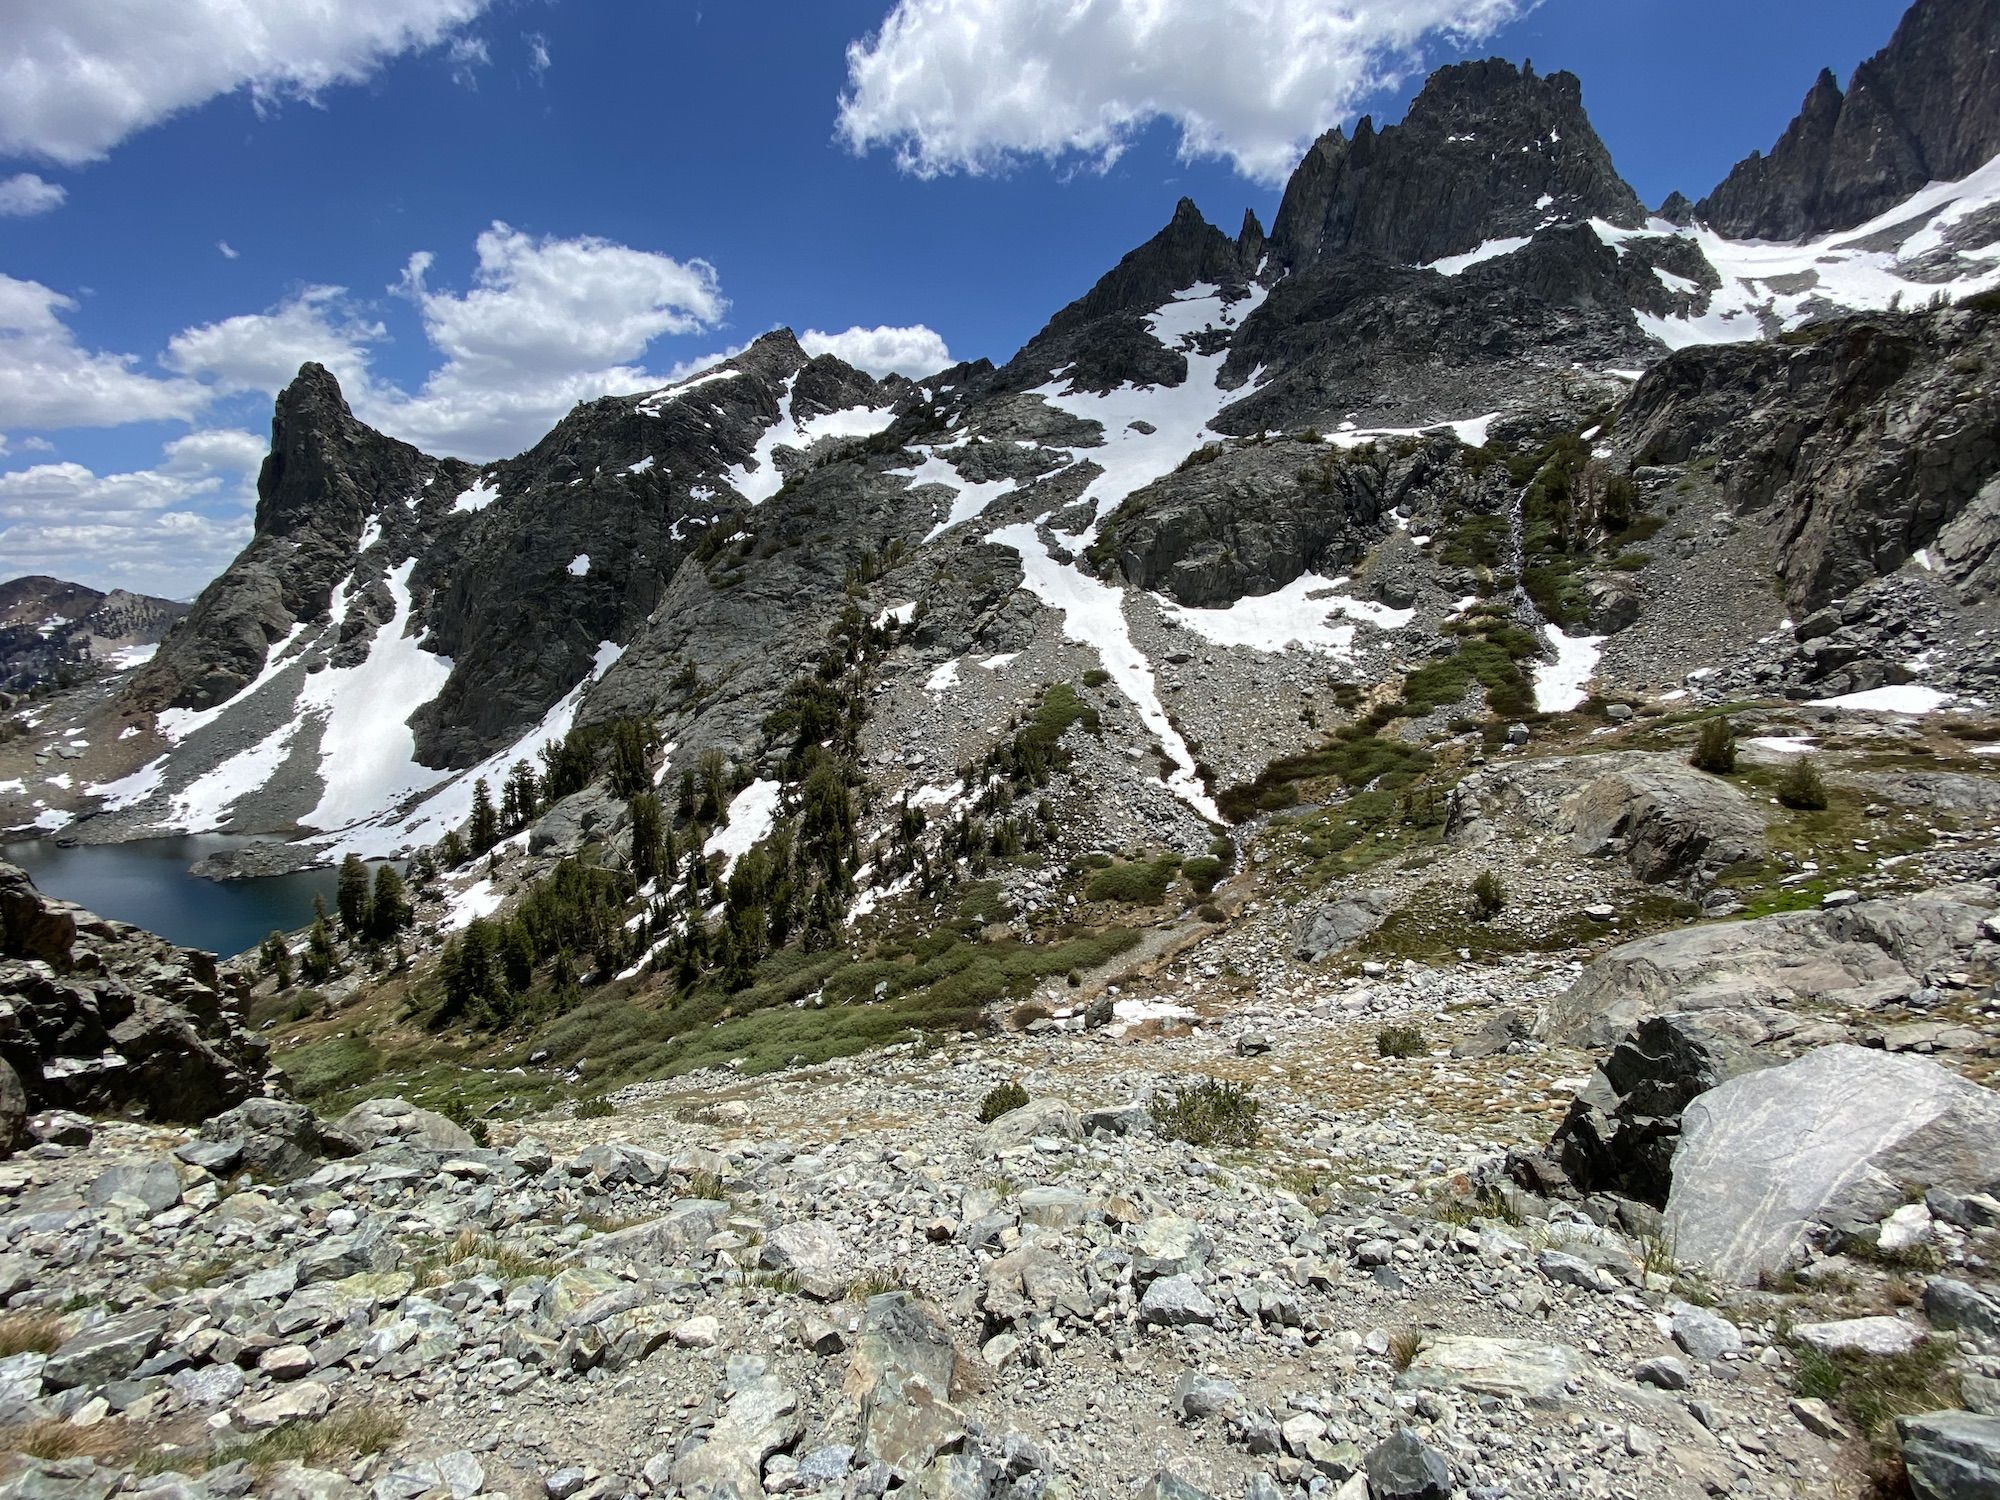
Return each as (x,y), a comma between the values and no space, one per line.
(484,831)
(451,850)
(321,961)
(520,798)
(351,896)
(389,911)
(648,837)
(276,958)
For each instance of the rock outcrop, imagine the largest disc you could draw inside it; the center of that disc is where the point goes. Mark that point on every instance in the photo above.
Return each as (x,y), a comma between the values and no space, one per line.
(1665,819)
(102,1017)
(1926,108)
(1860,956)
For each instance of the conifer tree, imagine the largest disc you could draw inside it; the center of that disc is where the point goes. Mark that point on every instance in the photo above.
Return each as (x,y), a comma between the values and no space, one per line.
(351,896)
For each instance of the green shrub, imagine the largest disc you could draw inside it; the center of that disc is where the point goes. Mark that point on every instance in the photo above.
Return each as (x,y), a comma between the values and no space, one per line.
(1202,873)
(1489,896)
(1401,1041)
(1002,1099)
(1801,788)
(596,1107)
(1213,1111)
(1715,751)
(1140,884)
(1210,912)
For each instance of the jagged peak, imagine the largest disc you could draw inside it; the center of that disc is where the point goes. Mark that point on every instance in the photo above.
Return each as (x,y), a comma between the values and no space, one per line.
(1380,193)
(315,384)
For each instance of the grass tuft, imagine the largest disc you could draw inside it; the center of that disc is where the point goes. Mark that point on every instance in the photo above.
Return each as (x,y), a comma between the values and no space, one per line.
(1213,1111)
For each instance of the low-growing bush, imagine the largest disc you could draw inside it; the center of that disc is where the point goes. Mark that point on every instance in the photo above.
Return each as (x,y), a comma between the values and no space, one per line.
(1211,1112)
(1002,1099)
(1715,751)
(1027,1013)
(1489,896)
(1401,1041)
(596,1107)
(1140,884)
(1202,872)
(1802,788)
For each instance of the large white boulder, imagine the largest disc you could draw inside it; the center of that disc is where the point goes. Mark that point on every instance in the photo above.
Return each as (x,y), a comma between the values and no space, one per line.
(1838,1137)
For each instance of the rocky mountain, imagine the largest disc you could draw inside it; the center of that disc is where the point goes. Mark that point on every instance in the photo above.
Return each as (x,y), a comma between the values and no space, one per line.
(55,632)
(1487,152)
(1373,869)
(1924,109)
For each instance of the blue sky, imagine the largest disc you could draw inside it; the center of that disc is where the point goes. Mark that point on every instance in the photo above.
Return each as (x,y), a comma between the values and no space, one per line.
(674,178)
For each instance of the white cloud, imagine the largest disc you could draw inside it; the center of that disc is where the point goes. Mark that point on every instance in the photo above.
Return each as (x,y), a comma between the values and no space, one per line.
(229,251)
(166,530)
(263,351)
(465,57)
(916,351)
(76,78)
(538,52)
(971,85)
(24,195)
(47,379)
(547,323)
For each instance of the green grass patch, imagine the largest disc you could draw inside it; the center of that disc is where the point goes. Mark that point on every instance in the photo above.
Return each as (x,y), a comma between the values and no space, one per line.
(1872,1390)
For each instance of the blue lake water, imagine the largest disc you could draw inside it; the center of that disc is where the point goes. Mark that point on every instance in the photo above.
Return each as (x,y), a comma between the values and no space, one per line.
(148,884)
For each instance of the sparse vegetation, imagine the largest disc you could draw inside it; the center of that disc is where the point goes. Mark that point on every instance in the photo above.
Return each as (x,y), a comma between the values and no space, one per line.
(1214,1111)
(1872,1390)
(1405,1344)
(1802,788)
(1715,750)
(29,1333)
(1001,1099)
(1401,1041)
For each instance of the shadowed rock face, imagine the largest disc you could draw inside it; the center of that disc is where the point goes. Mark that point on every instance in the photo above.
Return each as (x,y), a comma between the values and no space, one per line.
(101,1016)
(1926,108)
(1862,444)
(1484,145)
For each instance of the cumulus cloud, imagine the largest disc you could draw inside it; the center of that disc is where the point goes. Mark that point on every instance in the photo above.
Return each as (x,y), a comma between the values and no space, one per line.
(915,351)
(547,322)
(165,530)
(973,85)
(48,379)
(24,195)
(263,351)
(76,79)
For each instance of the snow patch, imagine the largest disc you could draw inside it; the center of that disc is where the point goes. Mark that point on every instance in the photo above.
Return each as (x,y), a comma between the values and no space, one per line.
(943,679)
(579,566)
(1094,615)
(477,498)
(367,751)
(1454,265)
(1562,684)
(1302,613)
(901,614)
(751,817)
(758,479)
(1904,698)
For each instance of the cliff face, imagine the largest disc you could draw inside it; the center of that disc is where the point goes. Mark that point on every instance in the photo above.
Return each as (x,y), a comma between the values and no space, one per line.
(1488,151)
(1926,108)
